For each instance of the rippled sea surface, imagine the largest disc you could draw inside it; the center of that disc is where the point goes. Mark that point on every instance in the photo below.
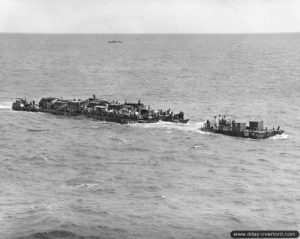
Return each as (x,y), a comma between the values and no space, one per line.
(80,178)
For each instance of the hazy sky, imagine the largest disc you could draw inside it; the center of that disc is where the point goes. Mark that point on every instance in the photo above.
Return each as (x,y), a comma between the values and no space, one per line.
(149,16)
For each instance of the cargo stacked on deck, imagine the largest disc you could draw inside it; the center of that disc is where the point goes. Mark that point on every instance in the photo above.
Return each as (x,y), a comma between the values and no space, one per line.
(256,125)
(93,103)
(114,106)
(75,106)
(60,106)
(46,104)
(237,128)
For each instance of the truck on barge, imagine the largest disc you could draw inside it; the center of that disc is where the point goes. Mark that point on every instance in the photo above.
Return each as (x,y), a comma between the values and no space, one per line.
(255,129)
(104,110)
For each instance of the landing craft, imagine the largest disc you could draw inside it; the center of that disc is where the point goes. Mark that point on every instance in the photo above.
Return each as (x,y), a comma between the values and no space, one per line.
(255,129)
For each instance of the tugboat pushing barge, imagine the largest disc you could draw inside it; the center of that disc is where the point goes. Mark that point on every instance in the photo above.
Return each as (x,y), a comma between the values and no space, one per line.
(21,104)
(126,113)
(255,129)
(111,111)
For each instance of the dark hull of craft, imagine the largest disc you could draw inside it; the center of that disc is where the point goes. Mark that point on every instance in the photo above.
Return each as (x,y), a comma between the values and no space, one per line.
(246,134)
(120,120)
(25,109)
(182,121)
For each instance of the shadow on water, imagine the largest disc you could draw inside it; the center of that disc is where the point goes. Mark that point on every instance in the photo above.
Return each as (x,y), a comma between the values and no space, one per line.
(104,233)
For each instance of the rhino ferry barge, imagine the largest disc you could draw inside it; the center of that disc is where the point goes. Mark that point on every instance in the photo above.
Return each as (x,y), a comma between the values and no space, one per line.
(104,110)
(255,129)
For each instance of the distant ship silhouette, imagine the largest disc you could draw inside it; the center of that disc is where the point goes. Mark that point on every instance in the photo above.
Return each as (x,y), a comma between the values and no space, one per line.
(114,41)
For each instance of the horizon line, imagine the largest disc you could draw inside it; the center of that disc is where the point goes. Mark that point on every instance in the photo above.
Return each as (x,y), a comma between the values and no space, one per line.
(150,33)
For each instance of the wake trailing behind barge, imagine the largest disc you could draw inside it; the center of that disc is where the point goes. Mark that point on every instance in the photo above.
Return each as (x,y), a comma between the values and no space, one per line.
(255,129)
(111,111)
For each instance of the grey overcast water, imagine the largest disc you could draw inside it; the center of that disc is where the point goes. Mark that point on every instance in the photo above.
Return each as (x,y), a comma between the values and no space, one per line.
(80,178)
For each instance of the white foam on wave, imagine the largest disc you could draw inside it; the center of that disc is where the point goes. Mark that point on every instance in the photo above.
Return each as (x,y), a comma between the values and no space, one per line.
(280,136)
(5,105)
(190,126)
(87,185)
(98,124)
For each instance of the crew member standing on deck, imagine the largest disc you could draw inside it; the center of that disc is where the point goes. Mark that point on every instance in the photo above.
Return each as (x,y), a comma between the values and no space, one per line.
(216,122)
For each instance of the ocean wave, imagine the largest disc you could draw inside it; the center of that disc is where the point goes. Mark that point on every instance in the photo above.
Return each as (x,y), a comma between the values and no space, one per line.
(281,136)
(118,139)
(75,186)
(5,105)
(87,185)
(169,126)
(36,130)
(99,124)
(54,234)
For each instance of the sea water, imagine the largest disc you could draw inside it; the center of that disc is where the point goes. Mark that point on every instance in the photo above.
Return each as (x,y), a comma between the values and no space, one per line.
(80,178)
